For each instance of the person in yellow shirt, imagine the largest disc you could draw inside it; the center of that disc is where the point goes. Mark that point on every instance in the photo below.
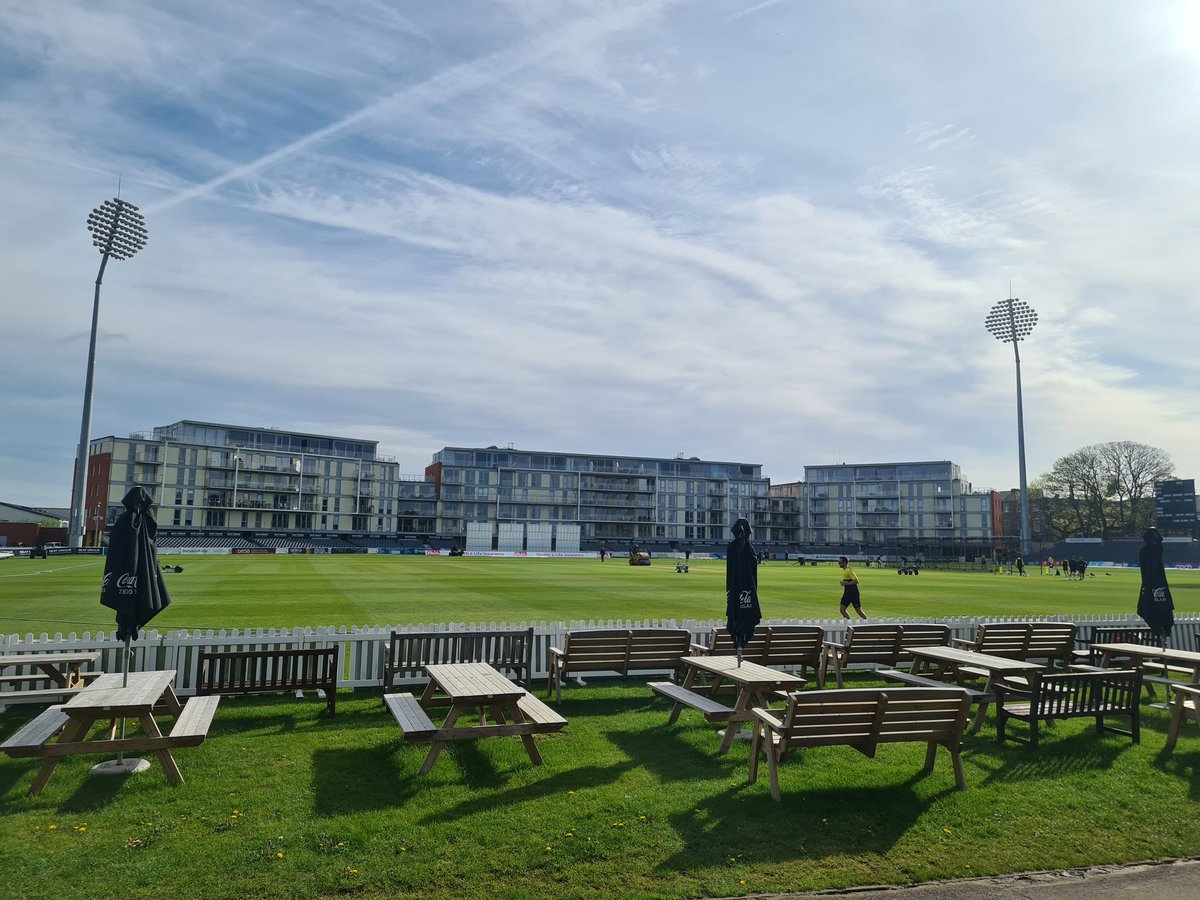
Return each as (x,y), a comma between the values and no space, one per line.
(850,595)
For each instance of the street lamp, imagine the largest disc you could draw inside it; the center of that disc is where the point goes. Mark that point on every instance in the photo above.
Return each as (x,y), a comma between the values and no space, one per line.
(118,231)
(1012,320)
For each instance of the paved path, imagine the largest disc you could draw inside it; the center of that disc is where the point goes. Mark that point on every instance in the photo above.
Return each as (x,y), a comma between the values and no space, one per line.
(1176,879)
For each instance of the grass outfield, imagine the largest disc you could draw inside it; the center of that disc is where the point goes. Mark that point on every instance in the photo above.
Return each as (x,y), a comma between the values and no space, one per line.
(62,594)
(282,801)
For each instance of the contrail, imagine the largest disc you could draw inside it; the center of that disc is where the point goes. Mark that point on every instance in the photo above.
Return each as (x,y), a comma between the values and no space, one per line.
(442,87)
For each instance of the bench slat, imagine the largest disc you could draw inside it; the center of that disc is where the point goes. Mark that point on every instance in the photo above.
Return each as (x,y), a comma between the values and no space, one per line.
(540,714)
(30,738)
(191,728)
(412,719)
(712,710)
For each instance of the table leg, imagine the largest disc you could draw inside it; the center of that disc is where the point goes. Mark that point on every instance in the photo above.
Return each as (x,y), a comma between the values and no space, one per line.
(688,680)
(174,707)
(535,755)
(435,749)
(165,759)
(75,730)
(741,712)
(60,678)
(989,688)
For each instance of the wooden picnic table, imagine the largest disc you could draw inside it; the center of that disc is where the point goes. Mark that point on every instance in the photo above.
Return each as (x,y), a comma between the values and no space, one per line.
(108,698)
(1148,655)
(467,687)
(938,662)
(63,670)
(757,685)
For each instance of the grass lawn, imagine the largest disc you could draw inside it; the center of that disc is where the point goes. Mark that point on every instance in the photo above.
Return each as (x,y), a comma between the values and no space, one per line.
(62,594)
(281,801)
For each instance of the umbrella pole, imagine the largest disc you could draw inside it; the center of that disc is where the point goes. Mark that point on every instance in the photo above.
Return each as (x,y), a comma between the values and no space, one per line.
(121,765)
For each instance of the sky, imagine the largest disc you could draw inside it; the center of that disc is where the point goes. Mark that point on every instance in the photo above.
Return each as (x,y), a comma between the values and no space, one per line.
(763,232)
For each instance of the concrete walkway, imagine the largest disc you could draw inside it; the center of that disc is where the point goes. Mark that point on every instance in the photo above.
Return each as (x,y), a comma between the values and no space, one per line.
(1173,879)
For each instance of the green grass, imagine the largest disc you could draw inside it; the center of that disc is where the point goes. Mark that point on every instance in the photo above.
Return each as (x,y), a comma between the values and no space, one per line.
(62,594)
(624,805)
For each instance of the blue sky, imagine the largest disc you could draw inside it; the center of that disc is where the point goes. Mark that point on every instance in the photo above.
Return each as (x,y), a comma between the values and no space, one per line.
(766,232)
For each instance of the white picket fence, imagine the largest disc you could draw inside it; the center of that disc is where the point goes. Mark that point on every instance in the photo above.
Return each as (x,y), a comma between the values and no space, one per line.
(363,647)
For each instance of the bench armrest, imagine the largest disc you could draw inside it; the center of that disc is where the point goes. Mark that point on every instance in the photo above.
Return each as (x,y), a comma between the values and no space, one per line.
(555,652)
(962,643)
(768,718)
(699,649)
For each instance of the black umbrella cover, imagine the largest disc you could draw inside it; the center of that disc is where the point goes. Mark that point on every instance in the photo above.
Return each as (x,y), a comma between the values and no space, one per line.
(741,585)
(1154,601)
(133,584)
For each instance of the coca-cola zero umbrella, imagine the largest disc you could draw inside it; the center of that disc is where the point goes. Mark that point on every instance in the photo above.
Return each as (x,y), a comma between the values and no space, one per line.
(741,587)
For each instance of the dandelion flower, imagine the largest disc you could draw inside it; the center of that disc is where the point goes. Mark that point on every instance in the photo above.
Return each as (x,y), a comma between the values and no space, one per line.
(279,855)
(52,828)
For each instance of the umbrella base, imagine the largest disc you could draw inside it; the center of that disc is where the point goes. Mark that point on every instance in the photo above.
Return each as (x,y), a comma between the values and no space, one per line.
(120,767)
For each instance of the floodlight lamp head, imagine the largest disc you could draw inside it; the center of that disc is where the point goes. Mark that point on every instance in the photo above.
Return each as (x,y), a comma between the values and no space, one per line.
(118,229)
(1010,320)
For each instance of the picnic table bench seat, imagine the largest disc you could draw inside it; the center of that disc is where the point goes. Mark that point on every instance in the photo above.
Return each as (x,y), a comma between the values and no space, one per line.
(546,718)
(779,646)
(901,677)
(1186,705)
(862,718)
(1079,693)
(269,671)
(414,722)
(620,650)
(191,727)
(28,740)
(712,710)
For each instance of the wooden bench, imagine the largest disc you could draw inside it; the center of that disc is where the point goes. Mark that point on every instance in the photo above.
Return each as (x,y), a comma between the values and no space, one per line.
(623,651)
(1051,641)
(779,646)
(414,722)
(191,727)
(507,651)
(30,738)
(864,644)
(862,718)
(712,710)
(269,671)
(922,634)
(1123,634)
(1095,694)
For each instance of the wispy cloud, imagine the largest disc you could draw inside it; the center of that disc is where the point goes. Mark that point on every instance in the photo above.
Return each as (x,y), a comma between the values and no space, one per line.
(768,235)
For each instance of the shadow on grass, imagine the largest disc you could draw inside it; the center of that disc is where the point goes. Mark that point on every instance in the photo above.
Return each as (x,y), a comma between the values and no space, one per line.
(1183,763)
(743,821)
(684,751)
(356,780)
(1056,755)
(577,779)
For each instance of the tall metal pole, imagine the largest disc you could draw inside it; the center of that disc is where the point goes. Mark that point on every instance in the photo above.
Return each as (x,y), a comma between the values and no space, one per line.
(1008,321)
(117,231)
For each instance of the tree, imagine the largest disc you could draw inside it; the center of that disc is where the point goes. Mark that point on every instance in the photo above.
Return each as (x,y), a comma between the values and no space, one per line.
(1103,489)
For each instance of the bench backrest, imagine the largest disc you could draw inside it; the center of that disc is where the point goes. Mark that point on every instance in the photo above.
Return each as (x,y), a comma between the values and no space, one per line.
(512,651)
(251,671)
(1084,693)
(923,634)
(872,644)
(1051,640)
(1003,638)
(774,645)
(625,650)
(867,716)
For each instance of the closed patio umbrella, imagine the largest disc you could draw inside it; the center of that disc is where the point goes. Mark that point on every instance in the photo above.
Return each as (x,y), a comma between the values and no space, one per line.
(133,586)
(741,587)
(1154,601)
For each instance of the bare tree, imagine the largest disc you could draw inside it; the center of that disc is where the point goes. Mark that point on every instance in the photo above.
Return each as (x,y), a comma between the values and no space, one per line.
(1104,489)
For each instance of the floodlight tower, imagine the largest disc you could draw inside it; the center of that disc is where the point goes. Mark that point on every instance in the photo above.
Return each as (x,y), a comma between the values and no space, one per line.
(1008,321)
(118,231)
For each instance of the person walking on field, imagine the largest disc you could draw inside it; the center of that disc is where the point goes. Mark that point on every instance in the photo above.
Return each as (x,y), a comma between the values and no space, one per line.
(850,595)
